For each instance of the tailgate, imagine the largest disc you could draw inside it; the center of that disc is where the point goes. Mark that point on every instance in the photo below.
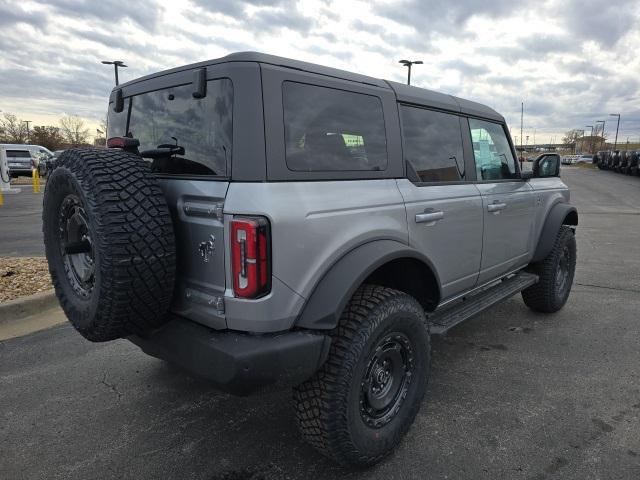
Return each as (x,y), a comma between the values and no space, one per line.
(196,209)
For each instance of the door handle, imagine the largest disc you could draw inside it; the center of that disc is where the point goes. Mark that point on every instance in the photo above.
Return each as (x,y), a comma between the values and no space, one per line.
(496,206)
(429,217)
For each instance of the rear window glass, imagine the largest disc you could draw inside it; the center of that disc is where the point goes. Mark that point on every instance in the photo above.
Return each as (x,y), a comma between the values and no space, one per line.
(332,130)
(18,153)
(432,144)
(172,117)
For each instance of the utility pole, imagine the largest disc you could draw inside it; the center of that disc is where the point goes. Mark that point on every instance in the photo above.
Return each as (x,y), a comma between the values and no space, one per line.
(27,122)
(615,143)
(521,127)
(116,64)
(408,64)
(602,122)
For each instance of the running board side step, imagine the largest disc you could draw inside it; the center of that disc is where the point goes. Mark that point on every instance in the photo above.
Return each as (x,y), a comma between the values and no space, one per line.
(443,319)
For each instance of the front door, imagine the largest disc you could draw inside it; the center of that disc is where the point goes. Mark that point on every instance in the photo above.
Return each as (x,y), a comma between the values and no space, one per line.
(508,201)
(444,210)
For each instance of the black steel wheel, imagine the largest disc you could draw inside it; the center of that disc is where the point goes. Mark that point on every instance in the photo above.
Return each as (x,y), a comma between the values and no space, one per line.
(76,246)
(387,380)
(360,404)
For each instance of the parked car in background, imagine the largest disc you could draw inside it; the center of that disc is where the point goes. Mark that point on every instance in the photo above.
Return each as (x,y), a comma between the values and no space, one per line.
(22,158)
(45,161)
(634,168)
(614,162)
(624,161)
(584,158)
(566,160)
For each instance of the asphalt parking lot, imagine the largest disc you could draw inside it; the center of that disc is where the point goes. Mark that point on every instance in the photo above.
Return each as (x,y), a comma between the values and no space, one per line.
(512,394)
(21,223)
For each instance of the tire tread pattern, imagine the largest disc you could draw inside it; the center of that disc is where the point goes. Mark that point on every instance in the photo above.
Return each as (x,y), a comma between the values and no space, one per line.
(321,402)
(541,297)
(134,237)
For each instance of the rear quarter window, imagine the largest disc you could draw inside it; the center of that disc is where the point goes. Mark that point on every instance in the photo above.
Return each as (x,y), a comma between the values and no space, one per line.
(19,153)
(327,129)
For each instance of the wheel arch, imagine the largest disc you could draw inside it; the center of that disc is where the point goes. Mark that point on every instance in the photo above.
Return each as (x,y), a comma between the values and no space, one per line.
(560,214)
(387,263)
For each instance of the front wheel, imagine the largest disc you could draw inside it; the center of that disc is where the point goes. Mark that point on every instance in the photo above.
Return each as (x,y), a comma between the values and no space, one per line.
(555,274)
(360,404)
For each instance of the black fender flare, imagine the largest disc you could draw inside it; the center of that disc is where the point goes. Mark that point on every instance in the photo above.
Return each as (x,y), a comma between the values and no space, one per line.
(560,214)
(329,297)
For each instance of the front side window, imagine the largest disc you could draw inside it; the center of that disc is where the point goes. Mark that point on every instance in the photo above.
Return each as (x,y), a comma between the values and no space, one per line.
(332,130)
(202,127)
(432,144)
(492,152)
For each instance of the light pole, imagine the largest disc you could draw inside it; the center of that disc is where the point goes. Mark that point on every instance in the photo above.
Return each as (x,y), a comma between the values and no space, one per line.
(602,122)
(590,138)
(581,141)
(615,143)
(116,64)
(408,63)
(27,122)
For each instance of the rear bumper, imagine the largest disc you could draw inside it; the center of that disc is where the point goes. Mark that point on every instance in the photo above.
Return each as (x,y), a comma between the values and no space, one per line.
(236,362)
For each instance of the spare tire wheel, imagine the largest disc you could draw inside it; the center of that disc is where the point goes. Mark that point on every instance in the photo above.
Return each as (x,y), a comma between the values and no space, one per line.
(109,242)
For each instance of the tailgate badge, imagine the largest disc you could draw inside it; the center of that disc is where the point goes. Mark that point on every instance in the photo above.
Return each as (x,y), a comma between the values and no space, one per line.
(207,248)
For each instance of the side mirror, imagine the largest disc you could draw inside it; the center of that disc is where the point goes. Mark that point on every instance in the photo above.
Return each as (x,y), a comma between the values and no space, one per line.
(546,166)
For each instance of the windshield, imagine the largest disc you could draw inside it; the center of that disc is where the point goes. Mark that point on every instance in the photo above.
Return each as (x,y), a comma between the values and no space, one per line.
(172,117)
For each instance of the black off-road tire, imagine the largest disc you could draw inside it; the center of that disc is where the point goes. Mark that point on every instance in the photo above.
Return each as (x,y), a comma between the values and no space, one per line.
(123,281)
(331,409)
(548,296)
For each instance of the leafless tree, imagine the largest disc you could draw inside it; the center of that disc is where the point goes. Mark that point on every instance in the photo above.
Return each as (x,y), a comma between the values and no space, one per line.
(12,129)
(73,130)
(571,138)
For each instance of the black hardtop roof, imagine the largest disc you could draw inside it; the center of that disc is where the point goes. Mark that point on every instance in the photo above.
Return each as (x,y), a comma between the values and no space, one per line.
(404,93)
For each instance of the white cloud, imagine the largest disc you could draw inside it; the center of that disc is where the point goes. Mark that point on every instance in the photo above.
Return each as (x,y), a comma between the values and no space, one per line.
(571,62)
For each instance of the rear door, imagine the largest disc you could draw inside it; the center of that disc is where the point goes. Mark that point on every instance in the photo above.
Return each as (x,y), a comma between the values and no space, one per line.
(163,111)
(444,207)
(508,201)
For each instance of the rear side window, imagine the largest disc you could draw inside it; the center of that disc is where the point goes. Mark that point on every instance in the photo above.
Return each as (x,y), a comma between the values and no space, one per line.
(493,155)
(203,127)
(18,153)
(432,144)
(332,130)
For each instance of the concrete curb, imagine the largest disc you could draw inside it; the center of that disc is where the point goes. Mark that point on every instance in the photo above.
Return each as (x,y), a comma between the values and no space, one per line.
(27,306)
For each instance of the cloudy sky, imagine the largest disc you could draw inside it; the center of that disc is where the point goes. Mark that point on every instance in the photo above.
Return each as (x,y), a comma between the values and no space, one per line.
(571,62)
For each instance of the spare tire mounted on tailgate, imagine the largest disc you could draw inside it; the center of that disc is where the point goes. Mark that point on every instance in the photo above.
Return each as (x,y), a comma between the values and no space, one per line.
(109,242)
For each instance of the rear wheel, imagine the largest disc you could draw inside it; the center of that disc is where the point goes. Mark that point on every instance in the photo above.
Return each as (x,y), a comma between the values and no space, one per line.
(555,273)
(357,408)
(109,243)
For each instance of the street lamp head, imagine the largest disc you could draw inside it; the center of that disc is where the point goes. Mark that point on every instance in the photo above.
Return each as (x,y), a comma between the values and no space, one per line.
(418,62)
(405,62)
(614,114)
(119,63)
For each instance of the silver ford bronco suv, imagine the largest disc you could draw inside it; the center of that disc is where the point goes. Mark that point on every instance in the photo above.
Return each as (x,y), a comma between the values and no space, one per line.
(262,222)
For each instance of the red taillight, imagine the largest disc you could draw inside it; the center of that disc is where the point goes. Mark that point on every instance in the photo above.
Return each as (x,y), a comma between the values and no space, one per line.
(123,142)
(250,264)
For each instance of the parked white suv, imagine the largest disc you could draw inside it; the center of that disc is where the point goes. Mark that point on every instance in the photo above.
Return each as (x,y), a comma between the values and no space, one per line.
(22,158)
